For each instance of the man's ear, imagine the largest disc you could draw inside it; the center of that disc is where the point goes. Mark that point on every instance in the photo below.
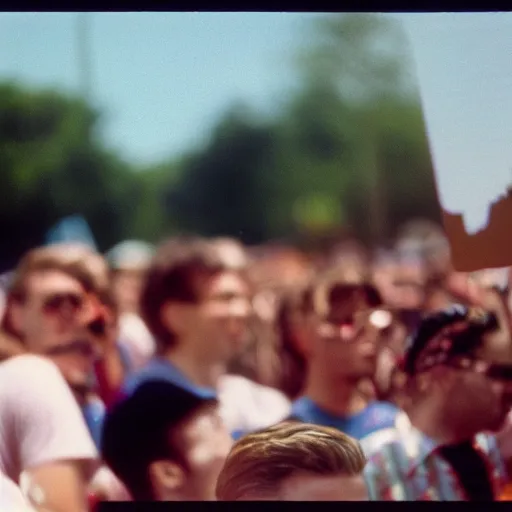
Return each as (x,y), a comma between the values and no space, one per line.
(174,316)
(166,477)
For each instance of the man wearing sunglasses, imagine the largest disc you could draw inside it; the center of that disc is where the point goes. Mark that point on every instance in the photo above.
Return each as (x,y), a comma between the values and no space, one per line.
(459,367)
(54,310)
(341,329)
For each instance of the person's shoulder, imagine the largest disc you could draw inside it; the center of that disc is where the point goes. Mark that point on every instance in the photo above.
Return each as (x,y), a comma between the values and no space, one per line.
(27,360)
(304,410)
(300,401)
(496,447)
(392,452)
(243,384)
(385,411)
(132,325)
(11,497)
(230,381)
(153,369)
(384,406)
(31,384)
(131,382)
(248,405)
(385,471)
(29,365)
(376,471)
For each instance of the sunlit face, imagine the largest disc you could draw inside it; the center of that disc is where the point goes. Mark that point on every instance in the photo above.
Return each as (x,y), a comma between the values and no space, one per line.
(312,487)
(205,442)
(52,321)
(219,323)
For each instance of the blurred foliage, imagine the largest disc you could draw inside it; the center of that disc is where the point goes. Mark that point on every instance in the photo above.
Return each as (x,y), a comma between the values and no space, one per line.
(52,165)
(223,188)
(347,150)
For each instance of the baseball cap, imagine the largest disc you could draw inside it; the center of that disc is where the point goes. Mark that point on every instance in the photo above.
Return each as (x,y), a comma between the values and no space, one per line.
(456,337)
(137,426)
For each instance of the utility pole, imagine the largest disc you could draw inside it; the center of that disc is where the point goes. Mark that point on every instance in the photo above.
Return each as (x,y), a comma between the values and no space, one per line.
(84,61)
(84,54)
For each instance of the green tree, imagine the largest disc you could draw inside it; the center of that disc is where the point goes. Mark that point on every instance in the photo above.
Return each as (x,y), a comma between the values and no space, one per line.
(362,55)
(223,188)
(151,220)
(53,165)
(347,150)
(387,174)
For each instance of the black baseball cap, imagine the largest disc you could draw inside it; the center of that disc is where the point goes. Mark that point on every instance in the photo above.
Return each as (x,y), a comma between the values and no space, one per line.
(136,428)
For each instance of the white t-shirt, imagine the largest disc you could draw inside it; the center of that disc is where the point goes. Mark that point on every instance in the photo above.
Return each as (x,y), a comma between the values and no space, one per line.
(11,497)
(40,420)
(248,406)
(136,338)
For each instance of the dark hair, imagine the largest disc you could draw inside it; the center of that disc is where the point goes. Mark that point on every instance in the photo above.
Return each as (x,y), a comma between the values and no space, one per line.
(463,340)
(177,273)
(131,463)
(139,430)
(301,302)
(293,364)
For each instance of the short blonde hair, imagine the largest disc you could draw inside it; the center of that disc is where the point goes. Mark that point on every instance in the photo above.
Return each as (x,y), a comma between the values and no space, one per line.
(259,463)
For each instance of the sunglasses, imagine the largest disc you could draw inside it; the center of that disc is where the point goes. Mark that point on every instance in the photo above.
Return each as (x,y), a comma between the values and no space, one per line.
(348,327)
(63,304)
(494,371)
(71,304)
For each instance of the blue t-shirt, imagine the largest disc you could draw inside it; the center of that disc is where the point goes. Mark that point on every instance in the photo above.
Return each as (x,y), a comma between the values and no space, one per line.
(162,369)
(94,415)
(376,416)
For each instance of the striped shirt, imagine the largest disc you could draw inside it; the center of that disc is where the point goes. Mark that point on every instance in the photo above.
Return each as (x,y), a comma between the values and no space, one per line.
(412,469)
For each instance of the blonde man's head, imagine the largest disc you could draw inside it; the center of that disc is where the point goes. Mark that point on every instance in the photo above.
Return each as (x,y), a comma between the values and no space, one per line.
(294,461)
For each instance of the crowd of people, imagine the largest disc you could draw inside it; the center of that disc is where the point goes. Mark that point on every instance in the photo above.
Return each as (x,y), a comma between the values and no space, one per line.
(202,370)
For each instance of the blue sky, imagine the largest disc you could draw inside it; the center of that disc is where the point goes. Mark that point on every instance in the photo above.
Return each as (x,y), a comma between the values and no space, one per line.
(163,79)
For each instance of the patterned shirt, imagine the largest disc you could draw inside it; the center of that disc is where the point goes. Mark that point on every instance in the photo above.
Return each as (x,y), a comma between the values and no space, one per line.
(372,427)
(412,469)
